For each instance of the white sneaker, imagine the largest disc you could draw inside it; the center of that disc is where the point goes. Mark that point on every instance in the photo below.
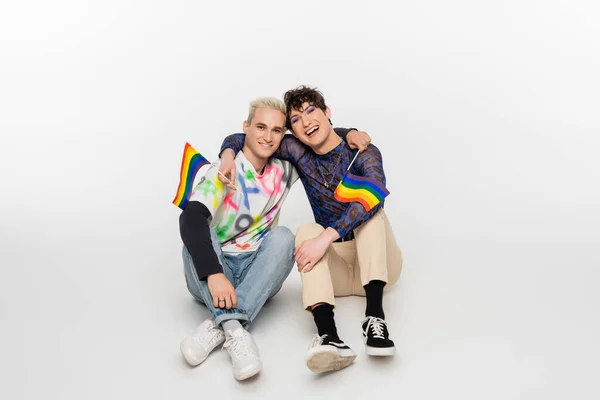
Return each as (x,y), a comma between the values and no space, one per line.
(326,354)
(195,348)
(244,354)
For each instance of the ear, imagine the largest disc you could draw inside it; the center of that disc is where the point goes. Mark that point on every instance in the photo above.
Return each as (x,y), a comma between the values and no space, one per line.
(245,126)
(327,112)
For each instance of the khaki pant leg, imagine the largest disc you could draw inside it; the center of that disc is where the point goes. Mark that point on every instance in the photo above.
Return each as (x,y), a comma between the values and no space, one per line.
(330,277)
(378,255)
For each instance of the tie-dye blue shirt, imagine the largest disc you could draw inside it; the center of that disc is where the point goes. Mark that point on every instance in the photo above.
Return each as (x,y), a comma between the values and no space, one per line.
(328,212)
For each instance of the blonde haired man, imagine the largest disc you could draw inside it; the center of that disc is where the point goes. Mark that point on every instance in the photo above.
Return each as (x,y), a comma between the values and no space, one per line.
(235,256)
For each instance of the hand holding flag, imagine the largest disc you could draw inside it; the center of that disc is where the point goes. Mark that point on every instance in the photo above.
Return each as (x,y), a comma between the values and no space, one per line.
(364,190)
(191,162)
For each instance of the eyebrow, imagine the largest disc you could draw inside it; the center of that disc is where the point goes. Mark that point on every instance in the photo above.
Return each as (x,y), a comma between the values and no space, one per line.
(301,111)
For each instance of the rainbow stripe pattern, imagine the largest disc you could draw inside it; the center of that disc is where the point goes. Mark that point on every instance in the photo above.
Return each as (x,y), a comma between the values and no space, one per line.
(191,162)
(360,189)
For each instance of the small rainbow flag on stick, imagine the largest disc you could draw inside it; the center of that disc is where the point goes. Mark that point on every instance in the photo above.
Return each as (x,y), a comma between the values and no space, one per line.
(191,162)
(361,189)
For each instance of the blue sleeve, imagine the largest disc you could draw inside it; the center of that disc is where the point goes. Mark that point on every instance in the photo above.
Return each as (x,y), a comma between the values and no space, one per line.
(234,142)
(290,149)
(369,164)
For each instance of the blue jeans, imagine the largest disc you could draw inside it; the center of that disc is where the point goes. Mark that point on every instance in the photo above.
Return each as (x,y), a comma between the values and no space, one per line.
(256,276)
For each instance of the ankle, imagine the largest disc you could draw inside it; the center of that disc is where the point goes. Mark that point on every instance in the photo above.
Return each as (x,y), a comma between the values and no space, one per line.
(231,325)
(374,299)
(324,320)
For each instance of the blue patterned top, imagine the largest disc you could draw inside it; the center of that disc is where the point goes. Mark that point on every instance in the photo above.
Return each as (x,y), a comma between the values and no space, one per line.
(328,212)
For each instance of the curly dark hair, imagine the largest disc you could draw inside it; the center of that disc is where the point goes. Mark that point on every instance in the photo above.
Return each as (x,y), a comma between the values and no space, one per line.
(294,99)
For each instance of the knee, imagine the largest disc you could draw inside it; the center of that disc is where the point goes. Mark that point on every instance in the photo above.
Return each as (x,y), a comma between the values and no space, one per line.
(280,245)
(282,238)
(308,231)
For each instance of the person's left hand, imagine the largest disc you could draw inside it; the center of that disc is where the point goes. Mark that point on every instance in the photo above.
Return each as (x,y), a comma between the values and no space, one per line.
(227,169)
(309,252)
(358,140)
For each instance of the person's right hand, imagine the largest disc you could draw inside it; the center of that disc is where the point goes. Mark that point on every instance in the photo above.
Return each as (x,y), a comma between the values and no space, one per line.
(357,140)
(227,168)
(222,291)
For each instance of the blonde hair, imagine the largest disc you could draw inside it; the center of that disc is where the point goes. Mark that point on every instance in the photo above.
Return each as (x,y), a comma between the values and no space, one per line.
(265,102)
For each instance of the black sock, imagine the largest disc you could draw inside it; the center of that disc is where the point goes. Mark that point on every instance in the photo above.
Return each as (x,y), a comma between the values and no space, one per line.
(323,315)
(374,292)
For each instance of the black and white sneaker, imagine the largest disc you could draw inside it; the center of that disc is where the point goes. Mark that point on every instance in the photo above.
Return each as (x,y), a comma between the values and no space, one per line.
(377,338)
(328,354)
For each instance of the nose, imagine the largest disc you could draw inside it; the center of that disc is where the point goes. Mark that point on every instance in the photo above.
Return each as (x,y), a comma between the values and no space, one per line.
(268,136)
(305,119)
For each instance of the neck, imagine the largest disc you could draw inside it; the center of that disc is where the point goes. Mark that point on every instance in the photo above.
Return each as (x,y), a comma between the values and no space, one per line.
(257,162)
(332,141)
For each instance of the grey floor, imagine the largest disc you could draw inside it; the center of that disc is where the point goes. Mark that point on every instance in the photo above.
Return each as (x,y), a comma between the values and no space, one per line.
(102,317)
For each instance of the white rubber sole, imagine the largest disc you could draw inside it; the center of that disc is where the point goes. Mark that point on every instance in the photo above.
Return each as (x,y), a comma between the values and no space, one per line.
(329,359)
(189,354)
(192,361)
(249,373)
(191,358)
(380,351)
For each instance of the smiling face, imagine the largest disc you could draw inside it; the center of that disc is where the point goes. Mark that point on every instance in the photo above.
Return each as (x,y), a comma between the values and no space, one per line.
(308,119)
(310,124)
(264,132)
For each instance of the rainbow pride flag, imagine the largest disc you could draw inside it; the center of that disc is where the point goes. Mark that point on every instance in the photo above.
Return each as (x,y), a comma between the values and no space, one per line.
(191,162)
(359,188)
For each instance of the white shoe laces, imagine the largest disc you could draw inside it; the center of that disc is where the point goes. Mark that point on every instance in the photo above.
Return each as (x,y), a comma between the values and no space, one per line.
(207,338)
(317,340)
(238,345)
(376,326)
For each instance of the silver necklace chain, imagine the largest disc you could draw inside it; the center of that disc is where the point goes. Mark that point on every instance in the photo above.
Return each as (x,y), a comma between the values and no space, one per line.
(332,172)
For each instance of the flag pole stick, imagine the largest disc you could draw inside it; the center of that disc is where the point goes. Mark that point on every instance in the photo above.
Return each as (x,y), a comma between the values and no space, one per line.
(348,169)
(225,177)
(353,161)
(214,166)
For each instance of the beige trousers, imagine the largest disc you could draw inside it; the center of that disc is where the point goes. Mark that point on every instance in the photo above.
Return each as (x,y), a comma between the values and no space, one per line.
(347,266)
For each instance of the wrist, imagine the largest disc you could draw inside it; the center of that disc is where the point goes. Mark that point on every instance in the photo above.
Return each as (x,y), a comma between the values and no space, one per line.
(215,276)
(227,154)
(330,235)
